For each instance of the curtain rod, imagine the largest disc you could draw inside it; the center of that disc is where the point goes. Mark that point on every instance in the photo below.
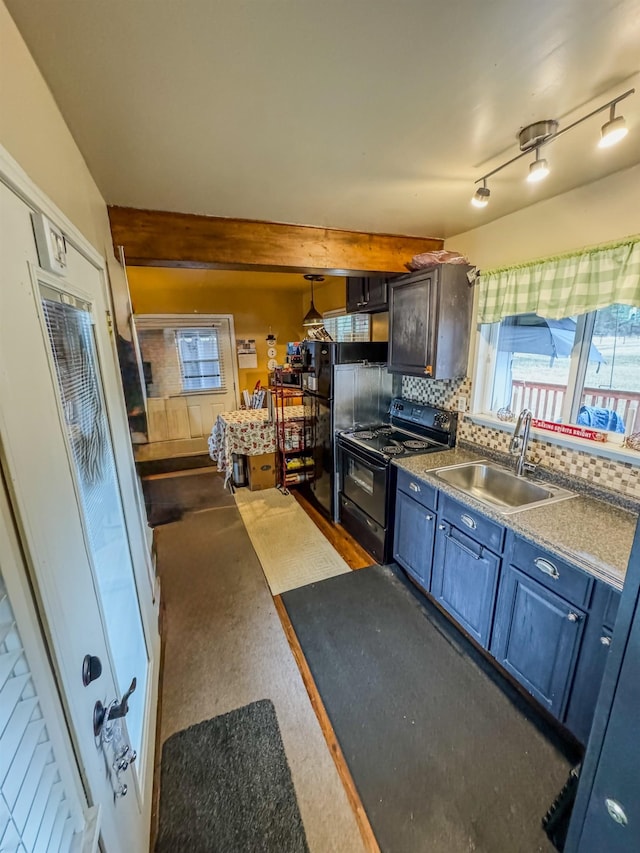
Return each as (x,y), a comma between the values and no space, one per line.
(589,250)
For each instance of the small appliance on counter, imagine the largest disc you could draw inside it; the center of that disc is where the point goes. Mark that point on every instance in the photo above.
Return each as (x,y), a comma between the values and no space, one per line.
(366,477)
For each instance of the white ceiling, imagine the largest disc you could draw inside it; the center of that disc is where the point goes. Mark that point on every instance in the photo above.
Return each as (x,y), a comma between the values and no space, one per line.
(372,115)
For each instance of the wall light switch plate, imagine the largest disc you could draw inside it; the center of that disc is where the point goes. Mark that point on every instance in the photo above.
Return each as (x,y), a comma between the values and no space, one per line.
(462,403)
(51,245)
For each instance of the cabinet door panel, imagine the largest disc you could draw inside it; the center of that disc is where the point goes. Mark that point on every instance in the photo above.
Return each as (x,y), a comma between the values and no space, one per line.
(376,295)
(464,581)
(355,294)
(413,539)
(409,331)
(536,637)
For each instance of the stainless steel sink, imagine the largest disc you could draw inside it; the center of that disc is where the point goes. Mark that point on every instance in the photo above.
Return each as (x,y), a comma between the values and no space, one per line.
(500,488)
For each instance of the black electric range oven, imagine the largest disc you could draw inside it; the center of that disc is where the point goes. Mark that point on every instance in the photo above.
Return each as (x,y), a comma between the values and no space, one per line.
(367,477)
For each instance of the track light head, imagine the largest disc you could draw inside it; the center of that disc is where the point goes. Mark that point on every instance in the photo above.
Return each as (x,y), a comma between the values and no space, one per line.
(613,130)
(538,170)
(481,197)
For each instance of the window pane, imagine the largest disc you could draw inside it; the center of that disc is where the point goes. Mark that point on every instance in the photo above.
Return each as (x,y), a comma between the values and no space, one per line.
(532,365)
(348,327)
(611,392)
(199,357)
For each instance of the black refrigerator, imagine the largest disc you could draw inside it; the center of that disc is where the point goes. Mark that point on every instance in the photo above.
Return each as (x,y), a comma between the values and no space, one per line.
(323,385)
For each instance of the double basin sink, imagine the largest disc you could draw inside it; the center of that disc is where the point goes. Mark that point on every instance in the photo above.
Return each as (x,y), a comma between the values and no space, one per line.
(499,488)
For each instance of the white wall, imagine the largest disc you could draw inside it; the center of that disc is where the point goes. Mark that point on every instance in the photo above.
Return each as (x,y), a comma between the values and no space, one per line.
(35,134)
(600,212)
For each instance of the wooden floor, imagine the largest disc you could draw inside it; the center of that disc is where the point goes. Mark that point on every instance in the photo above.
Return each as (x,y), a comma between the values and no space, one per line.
(351,552)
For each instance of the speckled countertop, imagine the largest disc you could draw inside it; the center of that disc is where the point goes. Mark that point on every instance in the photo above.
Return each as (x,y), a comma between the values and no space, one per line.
(593,534)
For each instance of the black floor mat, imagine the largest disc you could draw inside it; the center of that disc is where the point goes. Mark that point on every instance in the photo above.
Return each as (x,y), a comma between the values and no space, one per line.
(167,498)
(226,788)
(443,759)
(178,463)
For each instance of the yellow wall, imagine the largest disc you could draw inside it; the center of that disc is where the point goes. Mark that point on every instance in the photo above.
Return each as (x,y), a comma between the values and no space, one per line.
(256,310)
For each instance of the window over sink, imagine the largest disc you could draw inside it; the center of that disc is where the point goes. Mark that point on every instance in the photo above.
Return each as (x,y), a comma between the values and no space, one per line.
(582,370)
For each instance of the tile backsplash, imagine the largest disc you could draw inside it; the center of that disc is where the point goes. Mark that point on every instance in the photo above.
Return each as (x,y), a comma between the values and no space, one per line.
(620,477)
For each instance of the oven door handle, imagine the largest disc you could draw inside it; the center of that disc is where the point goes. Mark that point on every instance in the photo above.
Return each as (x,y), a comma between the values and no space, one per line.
(348,448)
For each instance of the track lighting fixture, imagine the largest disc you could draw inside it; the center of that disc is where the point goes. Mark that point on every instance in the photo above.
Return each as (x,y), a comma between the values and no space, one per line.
(613,130)
(544,132)
(481,198)
(538,170)
(313,317)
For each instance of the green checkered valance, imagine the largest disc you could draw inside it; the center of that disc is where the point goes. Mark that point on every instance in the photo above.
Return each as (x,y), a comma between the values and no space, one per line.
(564,286)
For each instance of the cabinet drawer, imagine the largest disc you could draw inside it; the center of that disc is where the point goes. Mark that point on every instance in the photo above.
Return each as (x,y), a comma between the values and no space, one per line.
(420,491)
(556,574)
(480,528)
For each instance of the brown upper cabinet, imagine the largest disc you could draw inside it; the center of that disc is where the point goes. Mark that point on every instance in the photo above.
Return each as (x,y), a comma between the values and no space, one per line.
(430,322)
(367,295)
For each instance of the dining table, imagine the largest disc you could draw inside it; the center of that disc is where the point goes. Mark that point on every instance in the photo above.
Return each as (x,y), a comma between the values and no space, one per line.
(247,432)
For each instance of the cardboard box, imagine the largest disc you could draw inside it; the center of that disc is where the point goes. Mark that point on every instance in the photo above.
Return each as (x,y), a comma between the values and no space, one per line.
(262,471)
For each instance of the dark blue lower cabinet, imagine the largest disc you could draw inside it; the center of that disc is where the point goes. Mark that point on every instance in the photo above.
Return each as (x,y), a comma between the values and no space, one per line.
(464,580)
(594,652)
(413,538)
(536,637)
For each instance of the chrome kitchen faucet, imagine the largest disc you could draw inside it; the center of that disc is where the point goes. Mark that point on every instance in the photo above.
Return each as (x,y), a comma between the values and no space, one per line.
(520,441)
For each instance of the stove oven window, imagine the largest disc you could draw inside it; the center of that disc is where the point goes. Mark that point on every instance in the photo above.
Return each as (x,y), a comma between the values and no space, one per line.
(361,476)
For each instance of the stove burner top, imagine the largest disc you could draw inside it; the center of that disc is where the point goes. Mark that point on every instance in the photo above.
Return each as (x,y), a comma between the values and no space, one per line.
(365,434)
(414,444)
(393,449)
(384,431)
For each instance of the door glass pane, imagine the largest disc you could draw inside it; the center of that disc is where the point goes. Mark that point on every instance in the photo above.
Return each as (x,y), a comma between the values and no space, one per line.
(80,387)
(532,365)
(611,393)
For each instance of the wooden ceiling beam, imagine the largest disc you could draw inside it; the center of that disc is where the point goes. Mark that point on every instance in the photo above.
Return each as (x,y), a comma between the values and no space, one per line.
(160,238)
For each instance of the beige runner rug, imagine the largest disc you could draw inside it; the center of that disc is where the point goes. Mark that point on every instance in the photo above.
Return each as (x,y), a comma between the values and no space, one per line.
(291,549)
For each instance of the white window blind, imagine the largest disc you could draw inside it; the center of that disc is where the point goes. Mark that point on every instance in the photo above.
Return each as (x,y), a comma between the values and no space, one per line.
(201,363)
(35,814)
(348,327)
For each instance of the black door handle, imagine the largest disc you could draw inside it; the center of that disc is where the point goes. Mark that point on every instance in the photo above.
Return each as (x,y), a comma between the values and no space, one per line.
(115,711)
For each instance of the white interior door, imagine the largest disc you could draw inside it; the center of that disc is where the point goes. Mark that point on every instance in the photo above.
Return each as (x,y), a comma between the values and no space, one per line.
(83,541)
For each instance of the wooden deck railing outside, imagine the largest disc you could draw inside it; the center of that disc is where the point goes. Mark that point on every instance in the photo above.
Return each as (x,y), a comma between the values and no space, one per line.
(545,401)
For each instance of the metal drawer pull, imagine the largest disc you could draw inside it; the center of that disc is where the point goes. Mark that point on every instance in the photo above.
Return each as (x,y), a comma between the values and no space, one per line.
(547,567)
(414,487)
(616,812)
(573,617)
(606,641)
(428,518)
(466,519)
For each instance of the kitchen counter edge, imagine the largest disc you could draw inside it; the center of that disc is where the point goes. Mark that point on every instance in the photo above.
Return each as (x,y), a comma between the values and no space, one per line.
(590,533)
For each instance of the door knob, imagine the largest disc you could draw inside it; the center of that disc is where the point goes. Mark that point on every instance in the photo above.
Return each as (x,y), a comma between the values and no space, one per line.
(573,617)
(91,669)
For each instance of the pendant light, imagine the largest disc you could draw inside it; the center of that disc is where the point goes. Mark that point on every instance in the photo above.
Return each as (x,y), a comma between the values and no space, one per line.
(313,317)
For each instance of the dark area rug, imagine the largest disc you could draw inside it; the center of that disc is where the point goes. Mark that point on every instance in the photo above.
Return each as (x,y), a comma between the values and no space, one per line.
(226,787)
(178,463)
(168,497)
(444,760)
